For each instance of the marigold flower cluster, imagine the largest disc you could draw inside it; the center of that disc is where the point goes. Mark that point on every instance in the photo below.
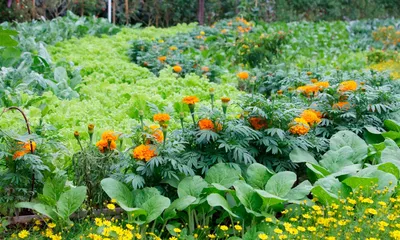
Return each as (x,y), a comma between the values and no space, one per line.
(144,152)
(25,147)
(107,141)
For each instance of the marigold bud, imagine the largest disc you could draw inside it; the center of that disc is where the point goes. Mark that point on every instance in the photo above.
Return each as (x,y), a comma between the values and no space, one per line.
(76,134)
(90,128)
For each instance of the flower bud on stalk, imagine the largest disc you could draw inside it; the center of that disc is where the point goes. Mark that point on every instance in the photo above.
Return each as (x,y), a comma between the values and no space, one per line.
(91,131)
(212,97)
(225,102)
(76,135)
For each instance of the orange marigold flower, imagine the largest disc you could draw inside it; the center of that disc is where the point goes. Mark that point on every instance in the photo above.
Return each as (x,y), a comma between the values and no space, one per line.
(310,117)
(341,105)
(258,123)
(309,73)
(206,124)
(143,152)
(350,85)
(190,100)
(161,117)
(279,92)
(205,69)
(243,75)
(25,148)
(19,154)
(177,69)
(102,145)
(225,99)
(157,133)
(314,80)
(299,126)
(173,48)
(109,136)
(162,58)
(322,85)
(318,113)
(308,90)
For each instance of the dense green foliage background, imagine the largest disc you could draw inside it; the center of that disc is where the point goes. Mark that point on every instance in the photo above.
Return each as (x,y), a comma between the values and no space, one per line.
(168,13)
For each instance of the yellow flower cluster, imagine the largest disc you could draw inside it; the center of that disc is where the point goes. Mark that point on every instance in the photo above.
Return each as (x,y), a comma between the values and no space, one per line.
(347,219)
(392,66)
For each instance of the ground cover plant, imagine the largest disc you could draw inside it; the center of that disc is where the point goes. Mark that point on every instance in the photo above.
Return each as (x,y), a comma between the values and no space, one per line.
(229,131)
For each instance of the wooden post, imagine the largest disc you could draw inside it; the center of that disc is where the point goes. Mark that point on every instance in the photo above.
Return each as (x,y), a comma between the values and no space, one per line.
(82,7)
(127,11)
(201,12)
(33,12)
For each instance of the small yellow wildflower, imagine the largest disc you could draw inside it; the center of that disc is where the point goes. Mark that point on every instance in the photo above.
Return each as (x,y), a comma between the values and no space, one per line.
(23,234)
(268,219)
(371,211)
(129,226)
(177,230)
(224,228)
(278,231)
(262,236)
(111,206)
(301,229)
(212,236)
(311,229)
(238,228)
(51,225)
